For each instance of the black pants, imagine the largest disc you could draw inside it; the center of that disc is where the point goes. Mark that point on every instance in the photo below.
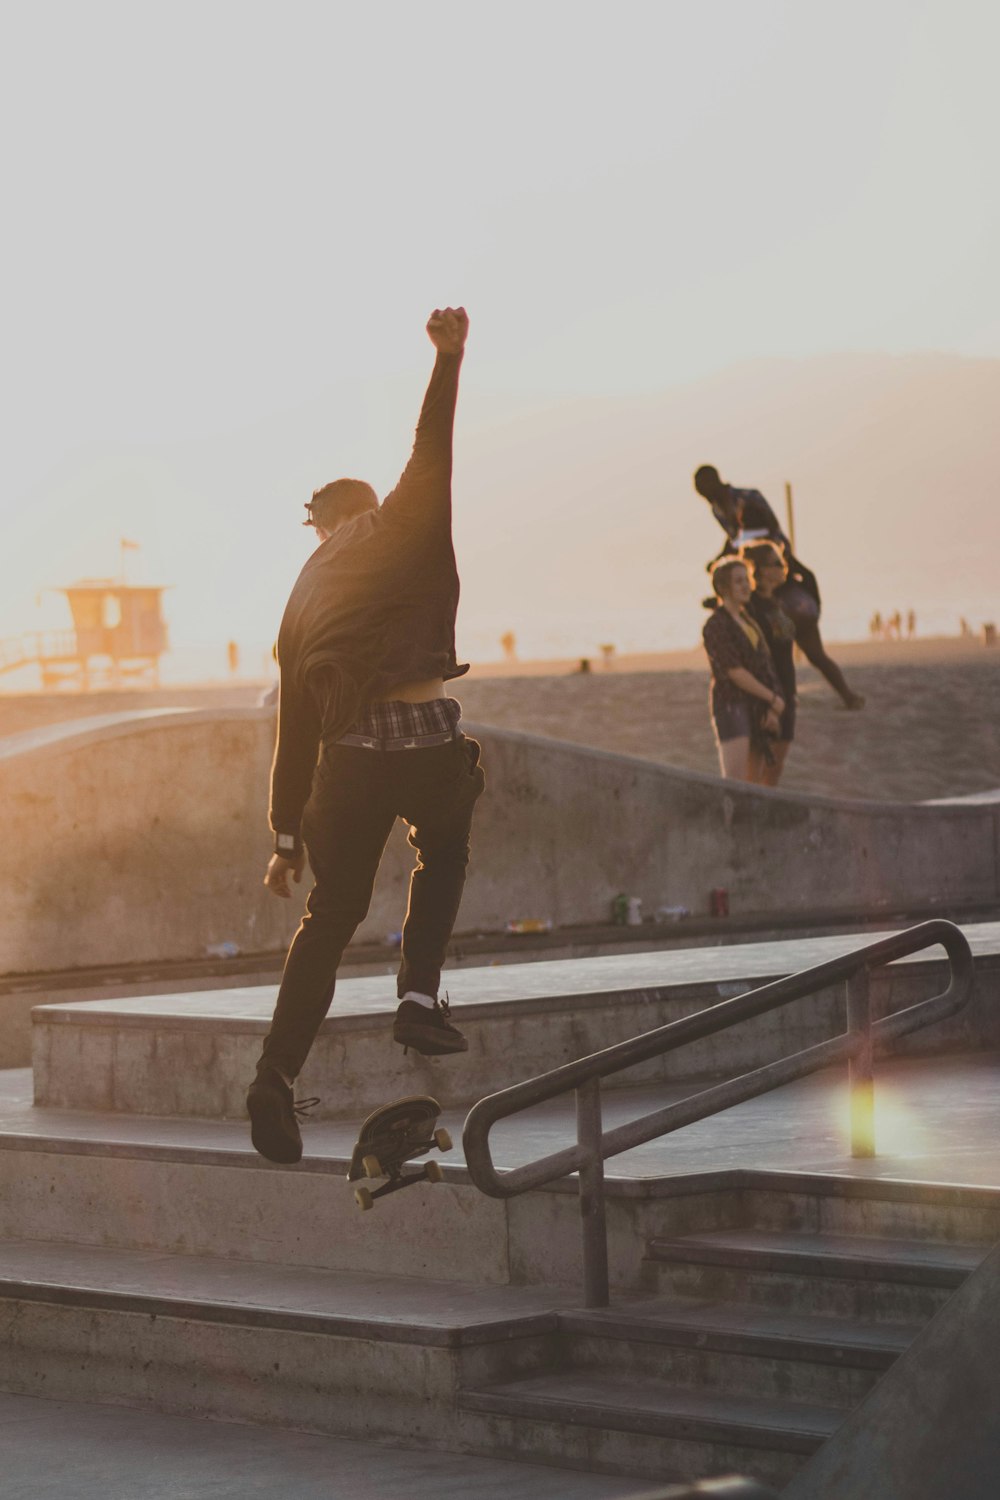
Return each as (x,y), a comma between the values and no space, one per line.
(356,798)
(803,607)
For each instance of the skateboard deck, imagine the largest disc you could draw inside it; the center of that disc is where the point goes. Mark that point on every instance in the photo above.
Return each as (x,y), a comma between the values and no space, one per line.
(392,1136)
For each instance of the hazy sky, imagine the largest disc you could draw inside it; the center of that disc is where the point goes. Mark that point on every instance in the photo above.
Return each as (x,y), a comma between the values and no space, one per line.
(222,217)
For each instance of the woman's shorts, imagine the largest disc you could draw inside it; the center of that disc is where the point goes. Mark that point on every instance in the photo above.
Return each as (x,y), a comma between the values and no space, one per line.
(731,717)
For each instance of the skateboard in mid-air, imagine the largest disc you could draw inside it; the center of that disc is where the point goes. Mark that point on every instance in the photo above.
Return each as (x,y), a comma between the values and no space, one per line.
(392,1136)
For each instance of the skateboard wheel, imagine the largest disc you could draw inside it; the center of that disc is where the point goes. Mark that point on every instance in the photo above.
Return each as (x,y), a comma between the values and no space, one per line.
(433,1172)
(363,1198)
(442,1140)
(372,1166)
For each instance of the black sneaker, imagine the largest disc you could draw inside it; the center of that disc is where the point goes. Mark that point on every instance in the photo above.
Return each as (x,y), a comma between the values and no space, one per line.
(274,1129)
(427,1031)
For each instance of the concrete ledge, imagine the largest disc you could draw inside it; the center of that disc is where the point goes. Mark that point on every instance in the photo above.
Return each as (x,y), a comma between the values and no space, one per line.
(20,993)
(194,1054)
(143,838)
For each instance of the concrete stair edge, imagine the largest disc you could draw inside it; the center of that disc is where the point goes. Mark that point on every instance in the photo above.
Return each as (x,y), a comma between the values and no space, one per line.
(851,1257)
(733,1327)
(657,1409)
(95,1287)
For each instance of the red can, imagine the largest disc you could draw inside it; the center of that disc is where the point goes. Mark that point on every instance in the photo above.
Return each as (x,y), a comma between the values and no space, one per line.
(718,902)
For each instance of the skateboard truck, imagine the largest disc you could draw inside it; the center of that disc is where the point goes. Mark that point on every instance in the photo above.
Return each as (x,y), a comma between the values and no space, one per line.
(392,1136)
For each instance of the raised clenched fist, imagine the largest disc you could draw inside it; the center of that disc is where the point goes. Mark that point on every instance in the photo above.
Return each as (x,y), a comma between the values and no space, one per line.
(448,329)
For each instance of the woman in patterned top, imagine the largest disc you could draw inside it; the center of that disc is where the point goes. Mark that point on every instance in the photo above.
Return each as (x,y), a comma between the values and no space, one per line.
(746,701)
(769,570)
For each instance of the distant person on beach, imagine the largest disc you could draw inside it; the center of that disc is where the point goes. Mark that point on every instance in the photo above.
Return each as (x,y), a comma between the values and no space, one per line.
(366,734)
(768,571)
(746,701)
(745,516)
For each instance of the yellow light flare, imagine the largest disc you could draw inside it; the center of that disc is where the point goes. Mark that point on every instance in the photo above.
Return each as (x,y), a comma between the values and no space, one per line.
(896,1129)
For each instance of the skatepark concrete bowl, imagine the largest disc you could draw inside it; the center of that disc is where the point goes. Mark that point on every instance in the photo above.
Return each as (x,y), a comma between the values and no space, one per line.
(143,837)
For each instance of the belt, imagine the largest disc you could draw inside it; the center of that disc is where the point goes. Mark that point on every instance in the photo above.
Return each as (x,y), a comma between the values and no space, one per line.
(406,742)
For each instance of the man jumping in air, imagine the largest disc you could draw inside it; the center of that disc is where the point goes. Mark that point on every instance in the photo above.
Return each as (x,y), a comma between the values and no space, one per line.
(367,734)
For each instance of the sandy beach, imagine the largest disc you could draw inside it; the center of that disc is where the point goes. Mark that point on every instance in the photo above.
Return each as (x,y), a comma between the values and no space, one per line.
(930,727)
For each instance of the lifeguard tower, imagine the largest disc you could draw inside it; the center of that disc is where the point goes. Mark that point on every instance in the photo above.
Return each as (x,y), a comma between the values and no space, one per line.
(118,636)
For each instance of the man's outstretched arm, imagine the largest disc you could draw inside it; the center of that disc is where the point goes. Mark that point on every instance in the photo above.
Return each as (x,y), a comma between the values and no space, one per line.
(422,498)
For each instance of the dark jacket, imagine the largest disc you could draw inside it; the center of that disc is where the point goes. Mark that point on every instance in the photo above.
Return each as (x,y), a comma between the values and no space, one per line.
(779,632)
(373,607)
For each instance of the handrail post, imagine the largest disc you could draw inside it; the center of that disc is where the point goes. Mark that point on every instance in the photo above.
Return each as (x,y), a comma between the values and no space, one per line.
(861,1070)
(593,1215)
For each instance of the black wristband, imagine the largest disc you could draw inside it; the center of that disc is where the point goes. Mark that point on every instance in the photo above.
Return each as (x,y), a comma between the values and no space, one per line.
(288,845)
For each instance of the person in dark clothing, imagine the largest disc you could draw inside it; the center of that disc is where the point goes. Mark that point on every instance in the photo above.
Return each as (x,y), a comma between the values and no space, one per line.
(746,700)
(366,734)
(745,516)
(768,571)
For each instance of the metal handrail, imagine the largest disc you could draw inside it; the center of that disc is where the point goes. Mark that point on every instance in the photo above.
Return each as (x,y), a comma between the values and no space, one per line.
(594,1145)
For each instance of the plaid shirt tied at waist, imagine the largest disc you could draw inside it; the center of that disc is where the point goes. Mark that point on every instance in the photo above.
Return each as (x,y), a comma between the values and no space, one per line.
(395,725)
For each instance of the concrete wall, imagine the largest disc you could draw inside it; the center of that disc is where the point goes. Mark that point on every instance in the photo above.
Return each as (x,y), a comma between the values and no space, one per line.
(144,836)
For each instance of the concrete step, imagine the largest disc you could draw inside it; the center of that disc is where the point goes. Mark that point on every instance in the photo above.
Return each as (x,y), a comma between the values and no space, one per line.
(650,1427)
(846,1276)
(195,1187)
(67,1450)
(194,1053)
(345,1353)
(435,1364)
(727,1347)
(651,1388)
(815,1203)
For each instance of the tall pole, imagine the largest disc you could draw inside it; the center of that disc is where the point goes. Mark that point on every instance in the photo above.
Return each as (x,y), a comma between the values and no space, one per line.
(790,508)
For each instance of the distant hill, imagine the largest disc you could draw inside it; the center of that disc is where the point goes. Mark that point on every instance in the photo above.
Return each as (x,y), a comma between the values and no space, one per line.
(585,511)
